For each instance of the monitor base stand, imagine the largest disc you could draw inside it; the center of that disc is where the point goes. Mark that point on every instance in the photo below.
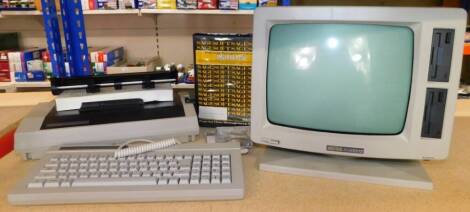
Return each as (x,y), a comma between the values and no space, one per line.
(402,173)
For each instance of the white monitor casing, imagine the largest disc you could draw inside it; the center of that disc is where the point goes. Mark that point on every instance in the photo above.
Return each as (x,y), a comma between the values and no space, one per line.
(409,144)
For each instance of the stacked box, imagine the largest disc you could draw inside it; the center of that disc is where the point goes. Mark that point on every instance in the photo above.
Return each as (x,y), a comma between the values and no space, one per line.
(47,66)
(223,78)
(101,58)
(284,2)
(85,4)
(228,4)
(27,65)
(247,4)
(207,4)
(267,3)
(107,4)
(92,4)
(17,5)
(126,4)
(148,4)
(186,4)
(166,4)
(4,67)
(39,5)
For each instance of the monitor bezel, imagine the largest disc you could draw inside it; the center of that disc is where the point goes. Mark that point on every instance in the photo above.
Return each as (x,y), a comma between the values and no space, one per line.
(406,145)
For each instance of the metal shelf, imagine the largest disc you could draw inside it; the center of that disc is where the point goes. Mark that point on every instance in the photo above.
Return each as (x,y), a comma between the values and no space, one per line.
(135,11)
(41,84)
(198,12)
(7,87)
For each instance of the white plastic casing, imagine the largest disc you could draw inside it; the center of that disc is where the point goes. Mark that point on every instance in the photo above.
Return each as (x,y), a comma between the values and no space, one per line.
(408,144)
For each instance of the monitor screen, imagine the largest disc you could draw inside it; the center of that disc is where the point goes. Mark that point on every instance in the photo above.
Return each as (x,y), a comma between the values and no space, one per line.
(342,78)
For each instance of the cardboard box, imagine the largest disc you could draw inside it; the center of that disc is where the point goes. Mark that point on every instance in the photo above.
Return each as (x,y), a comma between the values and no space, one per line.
(186,4)
(247,4)
(4,67)
(267,3)
(207,4)
(27,64)
(166,4)
(228,4)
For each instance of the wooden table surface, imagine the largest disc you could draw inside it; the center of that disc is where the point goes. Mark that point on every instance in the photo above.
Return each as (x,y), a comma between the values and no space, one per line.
(266,191)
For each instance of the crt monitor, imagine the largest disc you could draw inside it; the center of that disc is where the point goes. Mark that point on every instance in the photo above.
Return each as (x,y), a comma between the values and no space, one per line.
(357,81)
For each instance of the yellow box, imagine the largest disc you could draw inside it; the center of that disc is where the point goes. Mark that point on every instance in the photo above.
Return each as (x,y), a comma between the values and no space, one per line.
(166,4)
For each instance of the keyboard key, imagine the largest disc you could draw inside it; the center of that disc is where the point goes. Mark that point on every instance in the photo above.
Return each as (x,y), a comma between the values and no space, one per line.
(48,170)
(64,165)
(73,176)
(125,174)
(147,174)
(173,181)
(105,174)
(47,176)
(162,181)
(205,174)
(114,182)
(205,180)
(51,165)
(51,184)
(94,175)
(83,175)
(62,176)
(136,174)
(226,180)
(65,183)
(115,175)
(184,181)
(92,158)
(194,180)
(215,179)
(36,184)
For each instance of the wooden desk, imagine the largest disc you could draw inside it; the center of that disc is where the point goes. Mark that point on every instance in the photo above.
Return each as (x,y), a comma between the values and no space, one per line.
(266,191)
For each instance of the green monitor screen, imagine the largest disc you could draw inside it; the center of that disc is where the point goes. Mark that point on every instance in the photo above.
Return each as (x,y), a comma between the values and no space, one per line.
(342,78)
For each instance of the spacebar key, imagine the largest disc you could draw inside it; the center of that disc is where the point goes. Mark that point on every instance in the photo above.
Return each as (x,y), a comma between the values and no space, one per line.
(92,182)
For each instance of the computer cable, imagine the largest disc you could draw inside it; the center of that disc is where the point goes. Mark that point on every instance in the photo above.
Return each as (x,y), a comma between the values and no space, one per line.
(152,145)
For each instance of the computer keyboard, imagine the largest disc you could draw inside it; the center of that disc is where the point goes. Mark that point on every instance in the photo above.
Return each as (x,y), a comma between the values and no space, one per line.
(92,175)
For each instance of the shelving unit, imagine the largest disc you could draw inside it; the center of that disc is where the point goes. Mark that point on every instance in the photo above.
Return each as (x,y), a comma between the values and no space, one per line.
(151,26)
